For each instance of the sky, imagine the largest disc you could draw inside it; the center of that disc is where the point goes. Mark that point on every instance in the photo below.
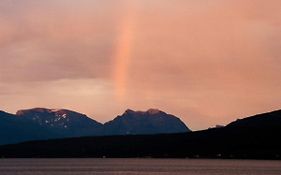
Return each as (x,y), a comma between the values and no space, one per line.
(208,62)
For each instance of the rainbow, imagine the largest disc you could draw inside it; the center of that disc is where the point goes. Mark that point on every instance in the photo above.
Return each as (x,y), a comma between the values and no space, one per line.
(123,51)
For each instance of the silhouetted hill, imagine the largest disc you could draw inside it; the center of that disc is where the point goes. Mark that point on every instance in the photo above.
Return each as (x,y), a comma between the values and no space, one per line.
(42,124)
(256,137)
(271,119)
(152,121)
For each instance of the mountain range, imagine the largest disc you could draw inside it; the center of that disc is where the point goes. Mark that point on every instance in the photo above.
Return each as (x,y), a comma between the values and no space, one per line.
(42,124)
(254,137)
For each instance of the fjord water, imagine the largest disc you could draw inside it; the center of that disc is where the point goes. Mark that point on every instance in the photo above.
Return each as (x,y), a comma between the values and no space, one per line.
(137,167)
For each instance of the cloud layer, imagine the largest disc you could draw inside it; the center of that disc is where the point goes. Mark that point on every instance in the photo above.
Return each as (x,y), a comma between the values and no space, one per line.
(208,62)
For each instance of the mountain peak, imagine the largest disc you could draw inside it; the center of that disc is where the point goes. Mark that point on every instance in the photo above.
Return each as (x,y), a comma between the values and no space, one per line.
(57,118)
(56,110)
(152,121)
(152,111)
(45,110)
(40,110)
(129,111)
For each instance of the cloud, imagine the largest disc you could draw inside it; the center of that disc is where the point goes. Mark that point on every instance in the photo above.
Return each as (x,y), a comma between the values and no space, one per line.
(55,42)
(206,61)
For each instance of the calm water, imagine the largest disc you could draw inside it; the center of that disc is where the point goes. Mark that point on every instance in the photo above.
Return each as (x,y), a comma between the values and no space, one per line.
(137,167)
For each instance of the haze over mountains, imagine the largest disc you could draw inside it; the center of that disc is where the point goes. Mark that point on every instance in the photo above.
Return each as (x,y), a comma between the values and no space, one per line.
(42,123)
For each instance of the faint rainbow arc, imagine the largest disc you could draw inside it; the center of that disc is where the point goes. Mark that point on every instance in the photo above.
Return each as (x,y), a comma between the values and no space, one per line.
(123,53)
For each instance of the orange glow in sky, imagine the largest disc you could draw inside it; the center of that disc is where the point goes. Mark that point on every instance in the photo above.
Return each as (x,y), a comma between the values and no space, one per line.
(208,62)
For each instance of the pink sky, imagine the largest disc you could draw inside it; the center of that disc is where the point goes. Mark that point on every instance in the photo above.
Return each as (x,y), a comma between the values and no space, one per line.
(207,61)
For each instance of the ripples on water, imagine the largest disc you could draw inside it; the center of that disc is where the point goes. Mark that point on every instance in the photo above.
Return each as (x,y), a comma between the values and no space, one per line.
(137,167)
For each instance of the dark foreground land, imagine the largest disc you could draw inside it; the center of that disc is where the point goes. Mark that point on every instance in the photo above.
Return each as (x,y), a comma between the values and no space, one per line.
(257,137)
